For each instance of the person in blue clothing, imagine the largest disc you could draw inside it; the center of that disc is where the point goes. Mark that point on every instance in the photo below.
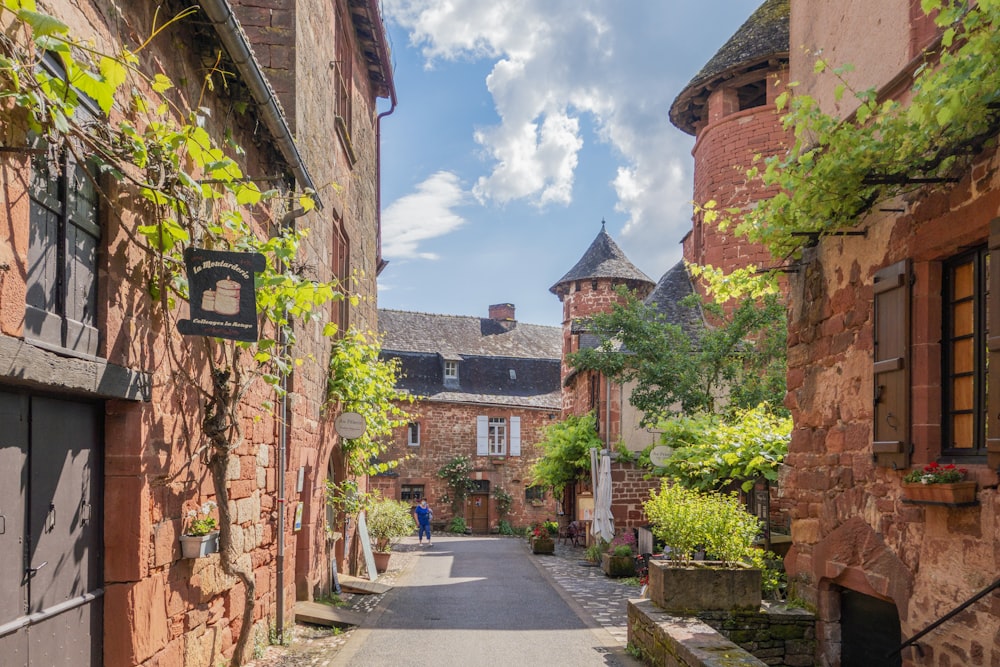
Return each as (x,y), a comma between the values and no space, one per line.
(423,514)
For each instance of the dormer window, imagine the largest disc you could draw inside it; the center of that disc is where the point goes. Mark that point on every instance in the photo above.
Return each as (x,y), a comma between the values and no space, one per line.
(451,370)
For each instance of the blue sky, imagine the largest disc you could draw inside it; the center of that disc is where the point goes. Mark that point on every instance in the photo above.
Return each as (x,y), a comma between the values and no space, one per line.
(522,124)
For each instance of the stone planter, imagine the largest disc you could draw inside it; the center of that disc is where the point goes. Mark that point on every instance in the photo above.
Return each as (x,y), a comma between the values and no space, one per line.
(199,546)
(954,493)
(703,586)
(381,560)
(618,566)
(543,545)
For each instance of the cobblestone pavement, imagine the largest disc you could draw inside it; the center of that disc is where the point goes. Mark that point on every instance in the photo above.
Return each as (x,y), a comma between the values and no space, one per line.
(602,598)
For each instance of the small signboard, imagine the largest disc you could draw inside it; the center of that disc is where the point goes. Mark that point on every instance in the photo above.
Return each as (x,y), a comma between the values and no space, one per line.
(298,516)
(366,547)
(221,294)
(350,425)
(659,455)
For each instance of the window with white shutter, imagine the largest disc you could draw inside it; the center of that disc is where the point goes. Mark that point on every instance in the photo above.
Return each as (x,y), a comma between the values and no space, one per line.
(515,436)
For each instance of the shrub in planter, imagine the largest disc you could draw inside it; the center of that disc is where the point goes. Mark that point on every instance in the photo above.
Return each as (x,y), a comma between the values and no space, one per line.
(388,521)
(688,522)
(618,562)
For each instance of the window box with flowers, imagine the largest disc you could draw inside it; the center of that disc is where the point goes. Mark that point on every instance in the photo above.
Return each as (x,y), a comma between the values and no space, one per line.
(201,538)
(937,484)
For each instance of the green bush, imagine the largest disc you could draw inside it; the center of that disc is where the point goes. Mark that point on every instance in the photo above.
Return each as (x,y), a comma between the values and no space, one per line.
(592,554)
(622,551)
(457,525)
(687,521)
(388,522)
(504,527)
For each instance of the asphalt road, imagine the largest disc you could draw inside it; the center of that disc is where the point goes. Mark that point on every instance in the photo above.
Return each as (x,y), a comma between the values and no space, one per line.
(479,602)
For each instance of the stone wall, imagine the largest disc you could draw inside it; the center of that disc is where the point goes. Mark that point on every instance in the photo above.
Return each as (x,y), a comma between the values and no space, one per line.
(448,430)
(774,636)
(161,609)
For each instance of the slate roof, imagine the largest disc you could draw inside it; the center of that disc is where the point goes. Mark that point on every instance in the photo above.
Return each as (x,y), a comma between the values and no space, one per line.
(501,363)
(762,41)
(603,259)
(674,286)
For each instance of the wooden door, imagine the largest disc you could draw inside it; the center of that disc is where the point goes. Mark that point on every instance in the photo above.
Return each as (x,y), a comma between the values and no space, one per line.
(479,513)
(50,612)
(870,633)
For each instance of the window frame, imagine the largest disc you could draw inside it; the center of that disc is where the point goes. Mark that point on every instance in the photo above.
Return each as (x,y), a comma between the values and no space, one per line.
(979,258)
(450,369)
(496,436)
(412,492)
(413,434)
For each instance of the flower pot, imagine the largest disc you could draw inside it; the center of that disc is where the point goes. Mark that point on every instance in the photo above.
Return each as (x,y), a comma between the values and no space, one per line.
(704,586)
(953,493)
(199,546)
(617,566)
(543,545)
(381,560)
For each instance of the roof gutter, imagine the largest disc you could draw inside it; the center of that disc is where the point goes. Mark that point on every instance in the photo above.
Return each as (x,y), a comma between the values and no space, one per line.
(220,13)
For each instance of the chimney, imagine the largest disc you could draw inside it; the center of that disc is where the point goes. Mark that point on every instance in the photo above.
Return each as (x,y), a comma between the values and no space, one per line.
(503,313)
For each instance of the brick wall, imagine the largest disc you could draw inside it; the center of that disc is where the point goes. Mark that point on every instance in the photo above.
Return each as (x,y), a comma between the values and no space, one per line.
(448,430)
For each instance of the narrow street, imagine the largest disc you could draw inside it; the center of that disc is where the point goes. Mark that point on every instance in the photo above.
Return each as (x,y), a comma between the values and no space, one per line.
(479,601)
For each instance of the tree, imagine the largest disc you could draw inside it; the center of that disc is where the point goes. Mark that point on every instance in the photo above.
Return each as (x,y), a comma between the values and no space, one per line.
(734,364)
(566,449)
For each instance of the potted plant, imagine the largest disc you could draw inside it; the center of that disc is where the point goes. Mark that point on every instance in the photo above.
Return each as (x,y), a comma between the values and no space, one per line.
(201,537)
(388,521)
(542,541)
(619,559)
(937,484)
(690,523)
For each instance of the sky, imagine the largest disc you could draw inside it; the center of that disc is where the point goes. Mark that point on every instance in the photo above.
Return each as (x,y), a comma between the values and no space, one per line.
(520,126)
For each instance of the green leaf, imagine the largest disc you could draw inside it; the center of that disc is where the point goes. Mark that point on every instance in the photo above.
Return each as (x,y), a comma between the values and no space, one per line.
(42,24)
(162,84)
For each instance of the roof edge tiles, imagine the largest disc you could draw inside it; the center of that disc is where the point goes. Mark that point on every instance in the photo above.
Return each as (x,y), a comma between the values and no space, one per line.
(760,41)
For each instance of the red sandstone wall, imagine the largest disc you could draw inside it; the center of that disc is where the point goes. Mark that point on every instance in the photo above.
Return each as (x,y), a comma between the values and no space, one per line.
(159,608)
(850,527)
(448,430)
(724,150)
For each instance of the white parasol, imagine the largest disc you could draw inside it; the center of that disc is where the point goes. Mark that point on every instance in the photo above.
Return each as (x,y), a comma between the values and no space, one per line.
(604,522)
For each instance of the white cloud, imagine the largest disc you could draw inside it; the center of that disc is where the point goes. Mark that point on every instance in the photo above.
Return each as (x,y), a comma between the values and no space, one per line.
(562,66)
(421,215)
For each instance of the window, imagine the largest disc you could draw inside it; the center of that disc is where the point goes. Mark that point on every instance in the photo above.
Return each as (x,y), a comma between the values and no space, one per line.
(341,260)
(451,370)
(964,354)
(492,435)
(413,434)
(497,436)
(533,493)
(343,84)
(61,300)
(411,492)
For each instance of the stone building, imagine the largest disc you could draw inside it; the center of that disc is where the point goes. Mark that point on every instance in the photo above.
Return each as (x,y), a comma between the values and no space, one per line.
(892,367)
(888,351)
(102,436)
(485,388)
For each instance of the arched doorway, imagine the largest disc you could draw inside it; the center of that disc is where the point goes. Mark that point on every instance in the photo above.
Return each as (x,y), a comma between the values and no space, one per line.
(869,631)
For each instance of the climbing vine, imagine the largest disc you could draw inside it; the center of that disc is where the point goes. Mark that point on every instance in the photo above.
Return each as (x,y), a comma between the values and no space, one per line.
(361,381)
(192,192)
(836,170)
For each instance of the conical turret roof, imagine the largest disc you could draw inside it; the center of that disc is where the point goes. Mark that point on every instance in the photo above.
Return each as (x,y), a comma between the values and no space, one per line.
(603,259)
(760,43)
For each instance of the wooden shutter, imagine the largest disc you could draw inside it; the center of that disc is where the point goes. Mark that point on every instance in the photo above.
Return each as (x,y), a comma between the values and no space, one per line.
(515,436)
(891,430)
(993,351)
(482,436)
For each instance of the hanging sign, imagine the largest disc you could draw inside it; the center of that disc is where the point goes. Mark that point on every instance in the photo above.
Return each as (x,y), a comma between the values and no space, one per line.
(222,297)
(659,455)
(350,425)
